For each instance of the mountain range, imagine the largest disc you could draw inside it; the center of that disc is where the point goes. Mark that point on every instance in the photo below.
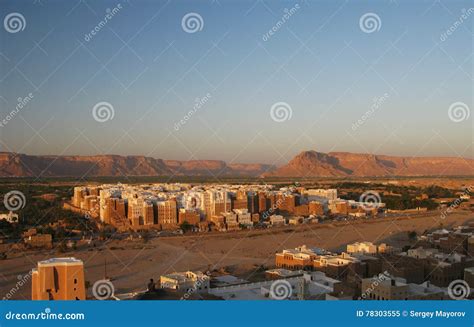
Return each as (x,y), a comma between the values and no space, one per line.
(22,165)
(340,164)
(305,164)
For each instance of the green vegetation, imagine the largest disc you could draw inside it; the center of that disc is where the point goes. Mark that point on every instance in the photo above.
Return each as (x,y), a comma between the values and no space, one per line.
(412,235)
(356,185)
(106,232)
(398,197)
(434,191)
(185,226)
(40,212)
(407,201)
(62,247)
(145,235)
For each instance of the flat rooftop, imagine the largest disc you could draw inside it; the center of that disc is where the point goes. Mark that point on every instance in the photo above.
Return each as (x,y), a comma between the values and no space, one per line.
(60,261)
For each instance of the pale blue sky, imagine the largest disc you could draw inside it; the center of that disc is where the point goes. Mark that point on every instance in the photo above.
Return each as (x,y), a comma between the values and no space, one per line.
(320,62)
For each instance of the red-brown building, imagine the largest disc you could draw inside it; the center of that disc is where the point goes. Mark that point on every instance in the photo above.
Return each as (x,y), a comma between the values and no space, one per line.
(190,216)
(316,208)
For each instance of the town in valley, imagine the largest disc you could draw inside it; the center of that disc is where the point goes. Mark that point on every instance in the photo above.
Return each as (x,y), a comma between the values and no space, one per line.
(333,240)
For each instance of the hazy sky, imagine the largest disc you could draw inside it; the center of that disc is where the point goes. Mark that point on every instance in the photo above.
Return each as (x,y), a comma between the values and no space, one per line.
(319,60)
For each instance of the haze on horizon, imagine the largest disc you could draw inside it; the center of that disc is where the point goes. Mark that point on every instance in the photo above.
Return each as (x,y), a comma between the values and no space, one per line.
(319,62)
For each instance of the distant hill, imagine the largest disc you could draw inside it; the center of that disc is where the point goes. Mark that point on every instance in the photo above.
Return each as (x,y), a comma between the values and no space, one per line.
(22,165)
(333,164)
(305,164)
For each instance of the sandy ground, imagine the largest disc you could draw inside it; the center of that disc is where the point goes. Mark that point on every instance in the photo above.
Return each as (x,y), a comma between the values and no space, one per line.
(132,263)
